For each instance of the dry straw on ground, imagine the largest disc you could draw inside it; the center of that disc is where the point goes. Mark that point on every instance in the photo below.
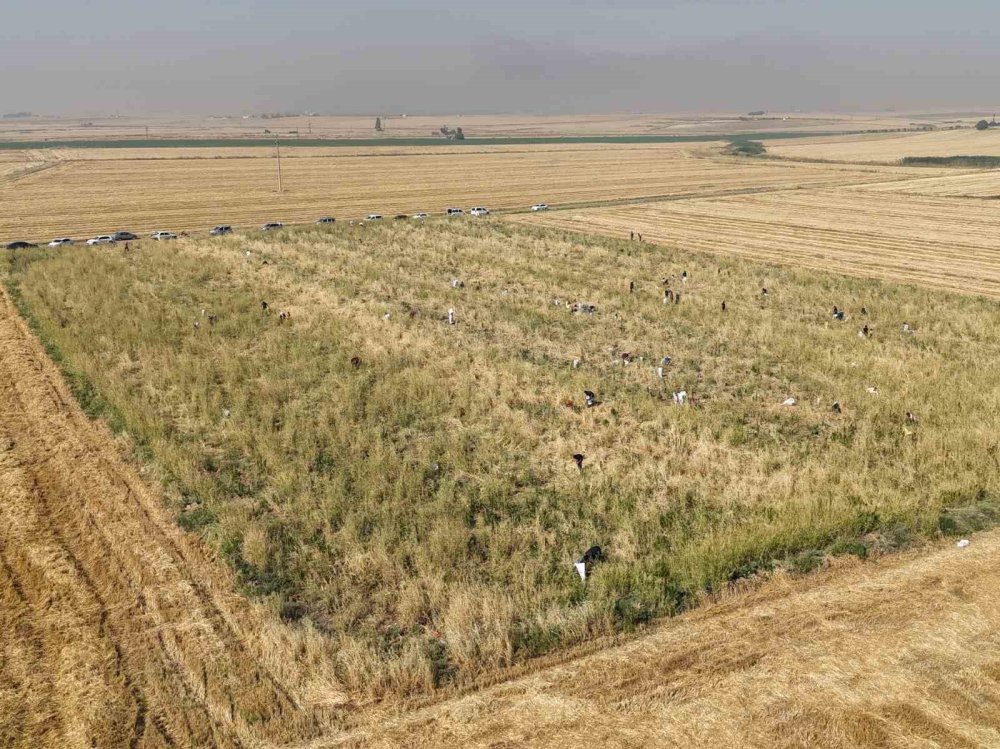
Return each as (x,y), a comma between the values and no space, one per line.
(80,193)
(939,242)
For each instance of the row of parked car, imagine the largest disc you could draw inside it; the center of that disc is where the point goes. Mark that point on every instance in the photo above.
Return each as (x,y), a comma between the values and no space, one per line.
(118,236)
(126,236)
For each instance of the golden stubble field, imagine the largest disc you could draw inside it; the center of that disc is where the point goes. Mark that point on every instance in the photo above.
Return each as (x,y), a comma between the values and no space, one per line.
(981,183)
(938,242)
(82,193)
(890,147)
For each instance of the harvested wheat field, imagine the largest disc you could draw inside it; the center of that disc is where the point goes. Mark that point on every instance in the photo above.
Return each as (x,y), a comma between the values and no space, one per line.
(982,183)
(889,148)
(114,628)
(80,193)
(938,242)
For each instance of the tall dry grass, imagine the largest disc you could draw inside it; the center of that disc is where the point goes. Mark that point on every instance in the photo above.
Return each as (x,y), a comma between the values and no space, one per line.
(421,507)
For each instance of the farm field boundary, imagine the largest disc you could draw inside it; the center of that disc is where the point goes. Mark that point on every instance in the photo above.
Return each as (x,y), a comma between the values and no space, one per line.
(114,629)
(266,142)
(829,660)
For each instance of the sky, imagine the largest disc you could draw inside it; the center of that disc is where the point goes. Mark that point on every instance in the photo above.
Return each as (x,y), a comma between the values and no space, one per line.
(86,57)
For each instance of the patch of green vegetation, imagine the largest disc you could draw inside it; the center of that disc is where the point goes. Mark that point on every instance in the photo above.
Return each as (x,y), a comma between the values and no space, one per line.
(196,519)
(967,512)
(746,148)
(965,162)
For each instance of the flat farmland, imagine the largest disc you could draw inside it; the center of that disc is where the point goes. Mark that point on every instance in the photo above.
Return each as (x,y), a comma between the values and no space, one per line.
(394,126)
(139,192)
(973,184)
(890,147)
(13,164)
(938,242)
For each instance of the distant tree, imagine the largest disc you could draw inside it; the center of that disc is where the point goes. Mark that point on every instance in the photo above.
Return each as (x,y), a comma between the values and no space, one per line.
(378,124)
(982,125)
(459,135)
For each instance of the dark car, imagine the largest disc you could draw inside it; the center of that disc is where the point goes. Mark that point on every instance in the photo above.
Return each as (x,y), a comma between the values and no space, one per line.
(20,245)
(326,220)
(221,229)
(124,236)
(400,217)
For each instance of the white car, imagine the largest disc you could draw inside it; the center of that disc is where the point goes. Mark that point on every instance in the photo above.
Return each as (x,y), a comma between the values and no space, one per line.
(60,241)
(420,215)
(103,239)
(374,217)
(479,211)
(272,226)
(540,207)
(158,235)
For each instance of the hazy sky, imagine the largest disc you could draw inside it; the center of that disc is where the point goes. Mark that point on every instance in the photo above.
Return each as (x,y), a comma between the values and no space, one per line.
(545,56)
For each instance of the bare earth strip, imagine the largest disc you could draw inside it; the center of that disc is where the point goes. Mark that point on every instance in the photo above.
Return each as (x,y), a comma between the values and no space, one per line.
(898,653)
(114,631)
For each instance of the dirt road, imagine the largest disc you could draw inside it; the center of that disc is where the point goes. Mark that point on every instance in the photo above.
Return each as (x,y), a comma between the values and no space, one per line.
(114,630)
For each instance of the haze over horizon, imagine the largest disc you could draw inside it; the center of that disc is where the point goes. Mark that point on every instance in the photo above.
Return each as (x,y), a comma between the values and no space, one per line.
(568,57)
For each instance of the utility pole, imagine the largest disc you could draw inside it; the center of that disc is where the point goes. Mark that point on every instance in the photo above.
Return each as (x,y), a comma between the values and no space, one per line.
(277,151)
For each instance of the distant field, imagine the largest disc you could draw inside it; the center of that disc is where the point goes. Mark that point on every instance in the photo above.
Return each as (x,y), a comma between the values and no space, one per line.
(475,126)
(408,486)
(976,184)
(142,192)
(433,143)
(891,147)
(942,243)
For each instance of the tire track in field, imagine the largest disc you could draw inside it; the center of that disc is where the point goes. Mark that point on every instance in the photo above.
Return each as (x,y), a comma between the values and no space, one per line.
(114,631)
